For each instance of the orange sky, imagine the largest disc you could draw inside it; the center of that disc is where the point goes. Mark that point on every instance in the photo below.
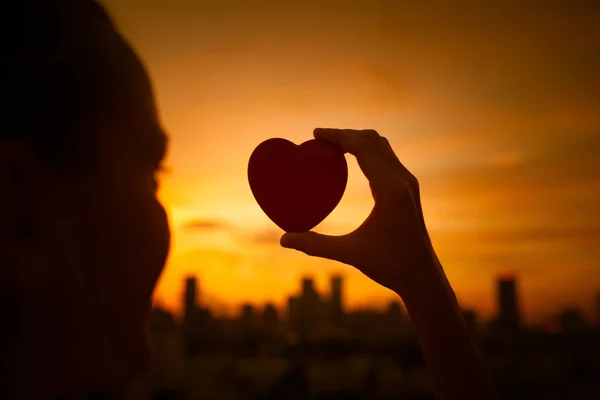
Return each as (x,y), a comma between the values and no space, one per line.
(495,111)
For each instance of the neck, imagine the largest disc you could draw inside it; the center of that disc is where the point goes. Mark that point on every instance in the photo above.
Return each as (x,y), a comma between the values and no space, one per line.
(52,351)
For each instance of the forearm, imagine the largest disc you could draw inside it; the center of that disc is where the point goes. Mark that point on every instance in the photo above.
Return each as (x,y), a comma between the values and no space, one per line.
(450,354)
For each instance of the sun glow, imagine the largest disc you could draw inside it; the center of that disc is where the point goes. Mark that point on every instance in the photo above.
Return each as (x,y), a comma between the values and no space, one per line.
(501,132)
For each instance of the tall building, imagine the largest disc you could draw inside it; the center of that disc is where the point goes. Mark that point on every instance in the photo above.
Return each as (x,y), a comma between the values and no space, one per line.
(270,318)
(336,300)
(509,313)
(311,309)
(294,314)
(308,288)
(247,318)
(196,320)
(190,301)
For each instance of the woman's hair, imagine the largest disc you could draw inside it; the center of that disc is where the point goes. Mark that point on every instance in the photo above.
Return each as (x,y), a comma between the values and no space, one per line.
(63,64)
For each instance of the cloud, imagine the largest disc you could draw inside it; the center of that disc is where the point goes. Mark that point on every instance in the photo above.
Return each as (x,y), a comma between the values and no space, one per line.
(212,230)
(211,227)
(553,171)
(550,234)
(206,225)
(270,237)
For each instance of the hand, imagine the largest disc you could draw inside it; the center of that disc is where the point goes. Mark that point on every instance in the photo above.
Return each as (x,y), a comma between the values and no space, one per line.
(392,246)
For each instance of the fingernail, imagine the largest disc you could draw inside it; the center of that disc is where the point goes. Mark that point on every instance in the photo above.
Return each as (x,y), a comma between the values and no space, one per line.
(285,241)
(290,240)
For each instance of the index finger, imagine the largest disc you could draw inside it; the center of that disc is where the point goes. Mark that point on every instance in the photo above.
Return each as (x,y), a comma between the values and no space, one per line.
(367,156)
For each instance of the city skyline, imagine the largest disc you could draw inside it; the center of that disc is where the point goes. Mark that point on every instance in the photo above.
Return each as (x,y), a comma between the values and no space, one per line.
(497,120)
(264,346)
(329,305)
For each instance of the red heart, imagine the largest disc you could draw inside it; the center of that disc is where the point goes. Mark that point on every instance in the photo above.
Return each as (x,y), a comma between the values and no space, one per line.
(297,186)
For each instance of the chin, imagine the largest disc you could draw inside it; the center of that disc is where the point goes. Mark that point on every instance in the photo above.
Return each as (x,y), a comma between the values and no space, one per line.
(133,350)
(131,361)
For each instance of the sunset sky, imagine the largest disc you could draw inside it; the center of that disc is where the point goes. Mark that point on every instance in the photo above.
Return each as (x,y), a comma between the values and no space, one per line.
(494,108)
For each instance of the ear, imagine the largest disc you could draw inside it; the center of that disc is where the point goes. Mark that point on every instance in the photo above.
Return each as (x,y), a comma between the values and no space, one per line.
(20,258)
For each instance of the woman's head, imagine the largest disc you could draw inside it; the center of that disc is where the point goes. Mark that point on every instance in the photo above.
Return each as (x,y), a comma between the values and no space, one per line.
(83,237)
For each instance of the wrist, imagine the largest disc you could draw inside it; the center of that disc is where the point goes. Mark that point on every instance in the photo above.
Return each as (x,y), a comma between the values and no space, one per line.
(428,291)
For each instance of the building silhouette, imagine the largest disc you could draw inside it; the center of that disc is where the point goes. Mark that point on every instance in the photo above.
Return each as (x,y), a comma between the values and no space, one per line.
(336,301)
(309,292)
(270,319)
(248,319)
(509,313)
(294,314)
(190,300)
(561,355)
(312,315)
(310,309)
(196,320)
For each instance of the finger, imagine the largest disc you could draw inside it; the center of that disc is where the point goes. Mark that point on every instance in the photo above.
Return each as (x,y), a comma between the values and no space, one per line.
(382,145)
(390,155)
(367,156)
(318,245)
(386,151)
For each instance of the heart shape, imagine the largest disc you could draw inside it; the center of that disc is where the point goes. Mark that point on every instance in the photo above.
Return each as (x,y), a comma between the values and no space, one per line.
(297,186)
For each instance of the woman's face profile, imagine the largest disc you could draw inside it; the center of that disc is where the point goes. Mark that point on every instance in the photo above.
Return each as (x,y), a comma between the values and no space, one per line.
(122,228)
(100,236)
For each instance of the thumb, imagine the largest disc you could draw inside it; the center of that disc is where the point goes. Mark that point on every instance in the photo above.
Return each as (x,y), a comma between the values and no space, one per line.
(317,245)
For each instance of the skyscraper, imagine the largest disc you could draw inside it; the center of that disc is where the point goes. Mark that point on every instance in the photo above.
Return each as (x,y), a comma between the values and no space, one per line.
(308,288)
(509,314)
(336,300)
(190,297)
(294,314)
(247,318)
(310,308)
(270,318)
(195,319)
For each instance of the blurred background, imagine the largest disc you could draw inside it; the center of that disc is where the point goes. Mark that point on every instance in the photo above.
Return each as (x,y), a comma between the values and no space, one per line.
(494,107)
